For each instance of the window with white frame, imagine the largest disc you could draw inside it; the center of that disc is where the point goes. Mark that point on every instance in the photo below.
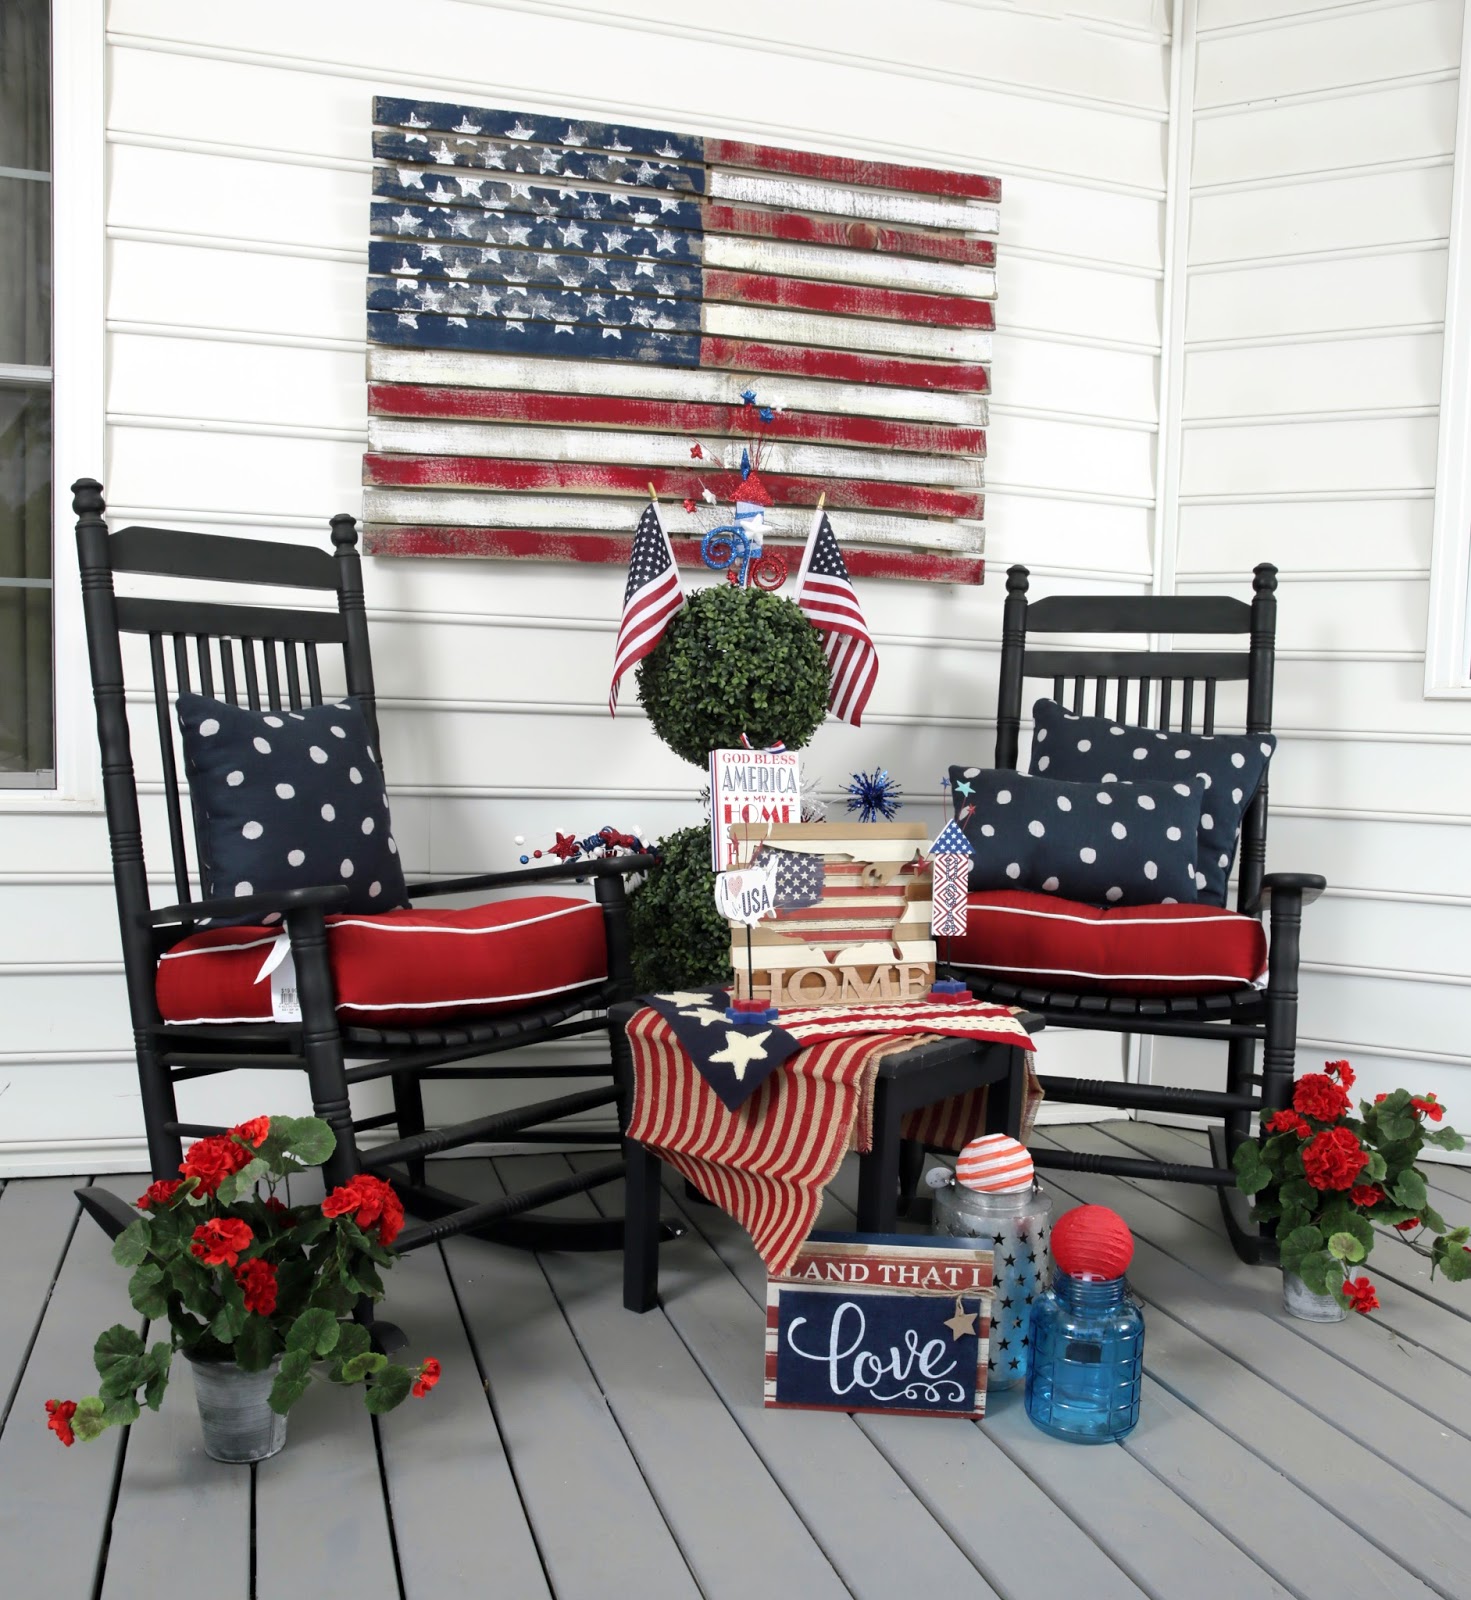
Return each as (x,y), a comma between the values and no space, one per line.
(1448,625)
(27,720)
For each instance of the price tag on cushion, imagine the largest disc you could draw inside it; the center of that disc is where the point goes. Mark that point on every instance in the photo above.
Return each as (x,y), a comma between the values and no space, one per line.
(748,894)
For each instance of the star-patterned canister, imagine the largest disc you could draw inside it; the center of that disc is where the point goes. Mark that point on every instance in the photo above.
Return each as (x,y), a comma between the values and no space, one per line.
(996,1200)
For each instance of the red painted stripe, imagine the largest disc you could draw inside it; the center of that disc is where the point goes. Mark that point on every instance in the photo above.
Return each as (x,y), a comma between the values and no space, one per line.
(847,169)
(492,472)
(799,362)
(846,300)
(597,411)
(721,217)
(599,549)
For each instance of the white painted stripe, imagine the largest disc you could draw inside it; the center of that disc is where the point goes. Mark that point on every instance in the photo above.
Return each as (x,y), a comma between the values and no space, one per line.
(768,324)
(839,200)
(481,370)
(451,508)
(777,256)
(218,949)
(634,448)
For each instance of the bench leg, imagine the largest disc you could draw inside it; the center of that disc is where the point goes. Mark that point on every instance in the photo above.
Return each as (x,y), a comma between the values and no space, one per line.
(642,1194)
(878,1171)
(1006,1096)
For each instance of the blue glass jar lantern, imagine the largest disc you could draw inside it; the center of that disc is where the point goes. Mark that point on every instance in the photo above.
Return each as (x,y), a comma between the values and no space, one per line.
(994,1199)
(1087,1334)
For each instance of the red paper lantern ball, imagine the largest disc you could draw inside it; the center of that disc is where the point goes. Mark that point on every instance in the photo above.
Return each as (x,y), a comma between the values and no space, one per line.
(1092,1242)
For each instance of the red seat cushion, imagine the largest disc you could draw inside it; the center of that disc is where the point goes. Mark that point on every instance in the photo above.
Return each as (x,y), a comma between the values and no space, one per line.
(396,967)
(1139,950)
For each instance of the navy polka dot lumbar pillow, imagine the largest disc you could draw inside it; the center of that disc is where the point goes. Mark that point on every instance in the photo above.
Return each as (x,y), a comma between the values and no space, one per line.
(289,800)
(1106,844)
(1231,768)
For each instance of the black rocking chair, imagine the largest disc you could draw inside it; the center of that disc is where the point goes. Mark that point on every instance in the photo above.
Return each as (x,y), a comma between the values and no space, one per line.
(269,654)
(1102,682)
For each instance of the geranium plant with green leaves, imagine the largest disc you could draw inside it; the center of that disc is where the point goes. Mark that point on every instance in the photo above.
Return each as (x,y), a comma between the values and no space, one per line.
(240,1274)
(1329,1180)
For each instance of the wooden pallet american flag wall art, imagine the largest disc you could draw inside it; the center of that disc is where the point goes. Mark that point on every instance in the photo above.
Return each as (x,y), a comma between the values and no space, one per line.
(560,310)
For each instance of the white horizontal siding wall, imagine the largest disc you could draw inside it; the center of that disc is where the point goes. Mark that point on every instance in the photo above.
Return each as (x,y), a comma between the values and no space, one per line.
(1323,139)
(237,203)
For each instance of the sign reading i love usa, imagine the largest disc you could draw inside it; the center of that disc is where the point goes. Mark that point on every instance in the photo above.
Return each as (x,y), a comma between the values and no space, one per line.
(881,1322)
(562,312)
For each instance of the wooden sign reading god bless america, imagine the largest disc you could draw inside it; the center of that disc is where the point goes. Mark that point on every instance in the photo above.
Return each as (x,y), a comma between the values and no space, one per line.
(562,312)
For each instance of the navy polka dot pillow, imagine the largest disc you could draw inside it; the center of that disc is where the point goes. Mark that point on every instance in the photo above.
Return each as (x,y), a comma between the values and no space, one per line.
(1230,766)
(288,800)
(1106,844)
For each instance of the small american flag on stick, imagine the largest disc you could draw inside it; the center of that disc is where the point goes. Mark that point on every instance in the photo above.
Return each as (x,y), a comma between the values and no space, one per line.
(651,596)
(825,593)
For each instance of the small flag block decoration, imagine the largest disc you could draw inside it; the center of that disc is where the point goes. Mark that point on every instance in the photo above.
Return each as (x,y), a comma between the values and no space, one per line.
(756,786)
(881,1322)
(950,859)
(866,937)
(557,305)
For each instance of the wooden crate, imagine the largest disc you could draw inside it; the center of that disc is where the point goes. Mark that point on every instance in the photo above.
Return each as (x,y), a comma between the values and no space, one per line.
(867,939)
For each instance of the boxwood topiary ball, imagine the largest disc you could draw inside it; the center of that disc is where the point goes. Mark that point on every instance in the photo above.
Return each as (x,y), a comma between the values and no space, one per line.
(680,941)
(735,661)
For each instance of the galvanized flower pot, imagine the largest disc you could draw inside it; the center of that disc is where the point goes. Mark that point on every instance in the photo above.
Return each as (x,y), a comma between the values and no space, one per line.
(1300,1301)
(236,1421)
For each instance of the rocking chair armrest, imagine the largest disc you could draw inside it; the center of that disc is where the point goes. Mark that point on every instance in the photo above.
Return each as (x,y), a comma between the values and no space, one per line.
(610,866)
(329,896)
(1306,886)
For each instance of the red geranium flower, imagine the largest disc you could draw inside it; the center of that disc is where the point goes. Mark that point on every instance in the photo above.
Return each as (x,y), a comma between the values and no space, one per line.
(1342,1071)
(1316,1095)
(255,1132)
(258,1279)
(428,1376)
(1288,1122)
(1333,1159)
(59,1414)
(158,1194)
(274,1206)
(368,1200)
(1366,1194)
(218,1242)
(1379,1097)
(1361,1296)
(1407,1224)
(1429,1105)
(213,1160)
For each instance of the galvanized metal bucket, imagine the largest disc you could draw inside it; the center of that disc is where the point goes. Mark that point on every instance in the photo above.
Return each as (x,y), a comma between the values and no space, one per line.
(234,1416)
(1300,1301)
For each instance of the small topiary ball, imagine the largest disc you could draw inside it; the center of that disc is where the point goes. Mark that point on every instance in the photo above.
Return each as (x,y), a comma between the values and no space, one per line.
(735,661)
(1092,1242)
(680,941)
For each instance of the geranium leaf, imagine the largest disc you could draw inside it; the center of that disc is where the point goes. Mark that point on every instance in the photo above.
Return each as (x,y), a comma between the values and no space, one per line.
(1431,1218)
(390,1388)
(355,1370)
(309,1139)
(352,1339)
(255,1344)
(288,1389)
(1456,1264)
(1409,1189)
(1445,1139)
(1344,1247)
(160,1360)
(145,1290)
(131,1245)
(1376,1169)
(314,1331)
(88,1421)
(1320,1271)
(119,1412)
(117,1346)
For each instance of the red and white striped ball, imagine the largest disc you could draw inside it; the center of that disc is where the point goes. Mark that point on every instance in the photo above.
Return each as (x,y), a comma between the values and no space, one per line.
(994,1164)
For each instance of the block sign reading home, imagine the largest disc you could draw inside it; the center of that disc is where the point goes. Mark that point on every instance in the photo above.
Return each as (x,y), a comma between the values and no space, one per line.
(561,312)
(756,786)
(866,938)
(880,1322)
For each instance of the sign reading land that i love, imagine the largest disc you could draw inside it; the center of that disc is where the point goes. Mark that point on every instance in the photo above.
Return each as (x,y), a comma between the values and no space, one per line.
(880,1322)
(560,310)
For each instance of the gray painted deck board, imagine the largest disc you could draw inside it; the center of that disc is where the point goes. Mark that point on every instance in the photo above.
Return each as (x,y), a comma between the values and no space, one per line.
(692,1454)
(55,1503)
(599,1529)
(170,1491)
(618,1455)
(444,1458)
